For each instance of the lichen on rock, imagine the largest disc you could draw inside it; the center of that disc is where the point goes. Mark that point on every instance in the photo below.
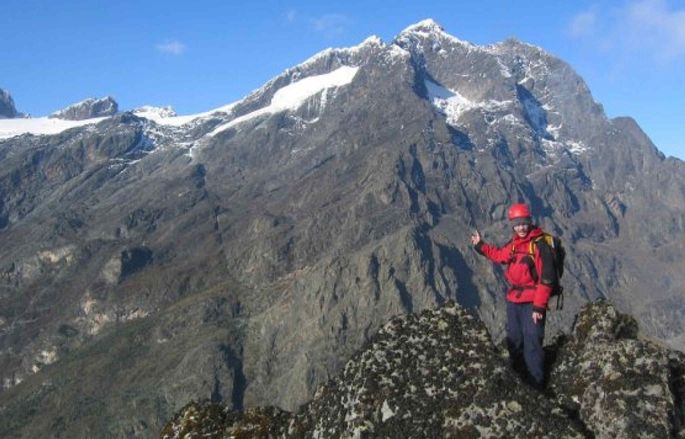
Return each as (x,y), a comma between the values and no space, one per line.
(428,375)
(619,385)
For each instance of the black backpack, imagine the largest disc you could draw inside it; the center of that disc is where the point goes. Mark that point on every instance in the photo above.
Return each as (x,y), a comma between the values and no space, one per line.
(558,256)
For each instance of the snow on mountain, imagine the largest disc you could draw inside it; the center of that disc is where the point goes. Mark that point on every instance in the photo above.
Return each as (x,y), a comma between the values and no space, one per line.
(532,64)
(428,36)
(151,112)
(52,125)
(453,105)
(41,126)
(292,96)
(167,115)
(429,29)
(372,41)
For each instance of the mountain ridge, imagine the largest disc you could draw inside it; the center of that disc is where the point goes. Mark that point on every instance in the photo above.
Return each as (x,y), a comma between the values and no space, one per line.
(290,238)
(436,374)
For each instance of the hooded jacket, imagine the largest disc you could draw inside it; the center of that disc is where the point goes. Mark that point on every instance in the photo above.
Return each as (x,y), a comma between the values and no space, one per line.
(531,277)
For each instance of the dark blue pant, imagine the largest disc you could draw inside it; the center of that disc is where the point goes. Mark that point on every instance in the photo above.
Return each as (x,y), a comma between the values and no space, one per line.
(524,339)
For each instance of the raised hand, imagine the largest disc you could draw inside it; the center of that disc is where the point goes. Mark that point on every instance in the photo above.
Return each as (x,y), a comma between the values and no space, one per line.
(475,238)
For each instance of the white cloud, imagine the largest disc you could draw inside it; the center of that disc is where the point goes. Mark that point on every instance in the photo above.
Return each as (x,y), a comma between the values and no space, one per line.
(583,24)
(644,28)
(657,27)
(291,16)
(331,24)
(172,48)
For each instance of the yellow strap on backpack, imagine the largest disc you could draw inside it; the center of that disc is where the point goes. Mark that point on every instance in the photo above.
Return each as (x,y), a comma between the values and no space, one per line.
(549,239)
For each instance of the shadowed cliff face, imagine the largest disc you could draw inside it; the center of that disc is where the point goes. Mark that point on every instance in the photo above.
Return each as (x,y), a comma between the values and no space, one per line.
(252,252)
(437,374)
(7,109)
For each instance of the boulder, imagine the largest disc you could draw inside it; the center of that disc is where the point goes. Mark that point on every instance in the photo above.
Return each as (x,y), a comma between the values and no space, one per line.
(618,384)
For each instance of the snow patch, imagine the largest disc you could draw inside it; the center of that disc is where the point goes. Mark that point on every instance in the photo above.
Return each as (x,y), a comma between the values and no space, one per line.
(41,126)
(150,112)
(554,130)
(453,105)
(553,148)
(577,147)
(449,102)
(511,119)
(293,95)
(167,116)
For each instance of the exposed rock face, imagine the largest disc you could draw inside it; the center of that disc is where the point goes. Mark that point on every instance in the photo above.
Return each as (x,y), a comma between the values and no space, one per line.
(245,255)
(438,375)
(88,109)
(621,386)
(7,109)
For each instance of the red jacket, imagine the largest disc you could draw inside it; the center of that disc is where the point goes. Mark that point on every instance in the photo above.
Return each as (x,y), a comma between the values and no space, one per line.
(530,277)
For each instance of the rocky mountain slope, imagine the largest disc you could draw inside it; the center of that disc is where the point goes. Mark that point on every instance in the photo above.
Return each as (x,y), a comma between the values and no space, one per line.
(244,254)
(437,374)
(88,109)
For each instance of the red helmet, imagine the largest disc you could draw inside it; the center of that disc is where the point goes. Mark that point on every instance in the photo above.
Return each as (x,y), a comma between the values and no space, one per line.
(518,210)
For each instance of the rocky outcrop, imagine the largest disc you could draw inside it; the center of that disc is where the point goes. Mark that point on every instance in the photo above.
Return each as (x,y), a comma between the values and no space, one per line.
(88,109)
(619,384)
(7,108)
(437,374)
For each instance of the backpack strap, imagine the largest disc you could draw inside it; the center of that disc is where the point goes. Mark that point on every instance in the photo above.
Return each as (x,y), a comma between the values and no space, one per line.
(534,242)
(528,259)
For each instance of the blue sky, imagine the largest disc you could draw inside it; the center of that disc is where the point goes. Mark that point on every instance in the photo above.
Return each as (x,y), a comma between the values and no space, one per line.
(200,55)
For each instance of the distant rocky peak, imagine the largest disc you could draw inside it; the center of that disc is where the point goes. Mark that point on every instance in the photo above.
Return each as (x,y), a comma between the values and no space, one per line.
(428,25)
(88,109)
(373,40)
(428,30)
(7,109)
(343,55)
(325,62)
(512,44)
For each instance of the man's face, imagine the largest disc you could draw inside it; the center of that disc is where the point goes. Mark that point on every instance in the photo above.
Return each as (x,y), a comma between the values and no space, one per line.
(521,230)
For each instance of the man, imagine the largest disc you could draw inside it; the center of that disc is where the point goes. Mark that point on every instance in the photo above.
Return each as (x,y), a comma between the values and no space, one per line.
(531,278)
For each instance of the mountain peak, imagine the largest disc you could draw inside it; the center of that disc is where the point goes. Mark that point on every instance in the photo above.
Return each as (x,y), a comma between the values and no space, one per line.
(7,108)
(373,40)
(427,25)
(370,42)
(88,109)
(429,29)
